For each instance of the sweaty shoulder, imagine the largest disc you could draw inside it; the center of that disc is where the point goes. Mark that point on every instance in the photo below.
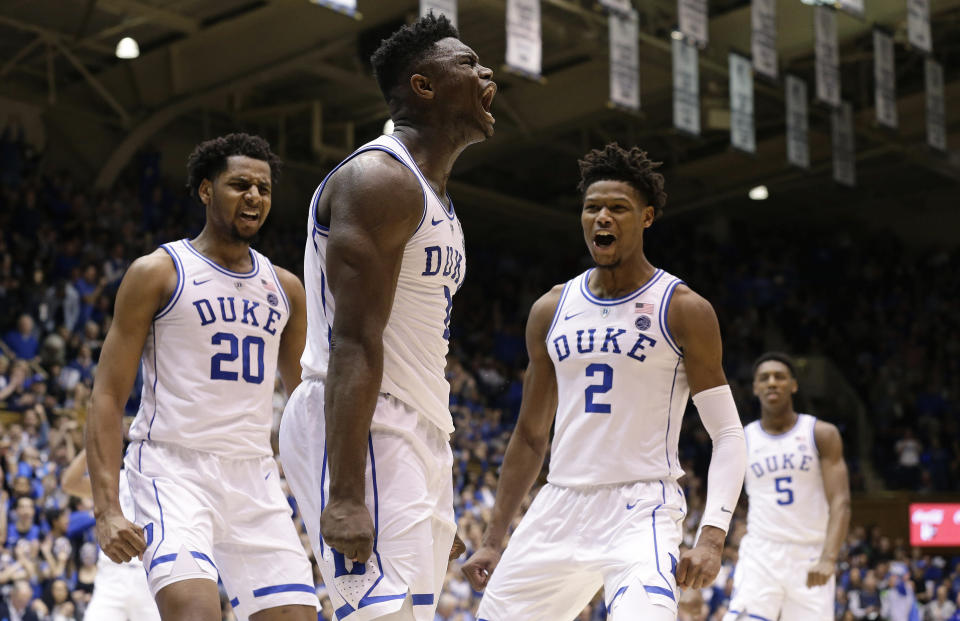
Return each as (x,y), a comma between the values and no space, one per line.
(690,314)
(151,279)
(828,438)
(372,186)
(542,312)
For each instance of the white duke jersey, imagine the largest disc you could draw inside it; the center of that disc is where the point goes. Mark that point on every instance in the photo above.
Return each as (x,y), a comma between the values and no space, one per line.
(415,339)
(621,385)
(784,484)
(210,359)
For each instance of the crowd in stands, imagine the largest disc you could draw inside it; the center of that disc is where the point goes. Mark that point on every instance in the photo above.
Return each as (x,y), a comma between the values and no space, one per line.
(64,249)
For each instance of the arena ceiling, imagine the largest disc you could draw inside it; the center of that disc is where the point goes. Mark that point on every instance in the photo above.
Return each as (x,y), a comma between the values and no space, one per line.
(297,73)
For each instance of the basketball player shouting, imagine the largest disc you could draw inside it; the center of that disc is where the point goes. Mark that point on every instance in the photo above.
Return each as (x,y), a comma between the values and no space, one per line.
(614,354)
(211,321)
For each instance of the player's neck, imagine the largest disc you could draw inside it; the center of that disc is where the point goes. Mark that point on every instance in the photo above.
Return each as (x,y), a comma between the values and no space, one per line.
(778,421)
(433,150)
(614,282)
(227,252)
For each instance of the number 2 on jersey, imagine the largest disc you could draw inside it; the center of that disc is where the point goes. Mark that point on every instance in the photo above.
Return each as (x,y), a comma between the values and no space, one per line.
(606,383)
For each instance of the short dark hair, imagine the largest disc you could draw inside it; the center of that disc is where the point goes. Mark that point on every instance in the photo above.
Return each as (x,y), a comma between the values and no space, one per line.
(614,163)
(398,54)
(209,159)
(780,357)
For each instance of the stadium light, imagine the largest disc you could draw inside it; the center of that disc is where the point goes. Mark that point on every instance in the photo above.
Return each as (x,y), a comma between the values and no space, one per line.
(676,34)
(127,48)
(758,193)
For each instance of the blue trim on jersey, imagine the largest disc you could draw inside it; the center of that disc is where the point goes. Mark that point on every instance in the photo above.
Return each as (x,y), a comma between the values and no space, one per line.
(323,479)
(813,434)
(276,279)
(421,599)
(556,313)
(740,612)
(253,258)
(619,592)
(779,436)
(140,458)
(656,549)
(655,590)
(235,602)
(673,385)
(156,376)
(451,214)
(178,289)
(664,325)
(284,588)
(585,290)
(169,558)
(163,528)
(370,147)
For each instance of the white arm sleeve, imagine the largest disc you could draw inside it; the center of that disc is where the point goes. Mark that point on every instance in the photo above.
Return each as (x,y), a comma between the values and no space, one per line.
(728,462)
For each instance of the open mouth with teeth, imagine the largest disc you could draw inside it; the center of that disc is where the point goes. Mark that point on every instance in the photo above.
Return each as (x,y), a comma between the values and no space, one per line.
(486,100)
(604,239)
(250,216)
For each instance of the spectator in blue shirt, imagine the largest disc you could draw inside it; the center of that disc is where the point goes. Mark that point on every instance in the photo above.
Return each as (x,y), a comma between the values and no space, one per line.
(24,527)
(23,342)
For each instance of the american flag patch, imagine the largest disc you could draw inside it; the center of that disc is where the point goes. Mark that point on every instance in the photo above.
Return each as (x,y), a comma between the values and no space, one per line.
(268,285)
(643,308)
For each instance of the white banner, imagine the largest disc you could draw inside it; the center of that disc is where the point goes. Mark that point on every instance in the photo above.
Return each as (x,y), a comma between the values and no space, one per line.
(763,42)
(347,7)
(624,60)
(693,20)
(619,6)
(854,7)
(440,7)
(686,87)
(884,79)
(936,120)
(841,125)
(524,45)
(827,55)
(918,25)
(741,104)
(798,149)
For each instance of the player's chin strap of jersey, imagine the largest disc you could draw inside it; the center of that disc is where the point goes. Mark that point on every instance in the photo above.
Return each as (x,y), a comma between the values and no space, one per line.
(728,462)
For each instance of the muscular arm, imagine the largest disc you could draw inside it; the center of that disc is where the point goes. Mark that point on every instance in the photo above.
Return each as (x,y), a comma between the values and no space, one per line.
(694,322)
(294,333)
(528,444)
(375,205)
(145,288)
(836,484)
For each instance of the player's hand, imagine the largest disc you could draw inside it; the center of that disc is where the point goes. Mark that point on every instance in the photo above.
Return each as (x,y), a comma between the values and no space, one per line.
(346,527)
(699,567)
(820,573)
(478,567)
(458,547)
(120,539)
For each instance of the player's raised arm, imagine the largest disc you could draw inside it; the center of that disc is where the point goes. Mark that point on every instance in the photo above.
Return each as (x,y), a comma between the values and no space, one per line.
(694,322)
(294,333)
(836,485)
(145,288)
(528,444)
(375,206)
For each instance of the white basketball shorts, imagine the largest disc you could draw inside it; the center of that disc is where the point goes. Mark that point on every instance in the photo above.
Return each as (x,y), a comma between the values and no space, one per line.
(770,582)
(205,515)
(121,593)
(409,493)
(572,541)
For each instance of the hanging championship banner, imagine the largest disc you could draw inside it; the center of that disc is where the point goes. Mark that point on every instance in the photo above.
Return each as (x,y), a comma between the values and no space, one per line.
(798,149)
(686,87)
(618,6)
(741,104)
(763,42)
(918,25)
(693,20)
(841,125)
(936,120)
(828,55)
(884,78)
(440,7)
(854,7)
(624,60)
(347,7)
(524,45)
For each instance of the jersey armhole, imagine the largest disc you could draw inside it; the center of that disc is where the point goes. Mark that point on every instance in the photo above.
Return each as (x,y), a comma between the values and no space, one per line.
(276,279)
(813,435)
(664,324)
(181,280)
(556,313)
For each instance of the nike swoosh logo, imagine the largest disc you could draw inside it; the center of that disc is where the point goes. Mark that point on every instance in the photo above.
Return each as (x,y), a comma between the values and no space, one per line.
(435,222)
(569,316)
(725,510)
(200,282)
(630,507)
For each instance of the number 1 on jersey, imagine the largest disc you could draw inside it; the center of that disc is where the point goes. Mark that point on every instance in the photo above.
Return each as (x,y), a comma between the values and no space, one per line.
(606,383)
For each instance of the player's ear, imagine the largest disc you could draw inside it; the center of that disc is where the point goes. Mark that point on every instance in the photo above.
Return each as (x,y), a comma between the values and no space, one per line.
(421,86)
(205,192)
(649,215)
